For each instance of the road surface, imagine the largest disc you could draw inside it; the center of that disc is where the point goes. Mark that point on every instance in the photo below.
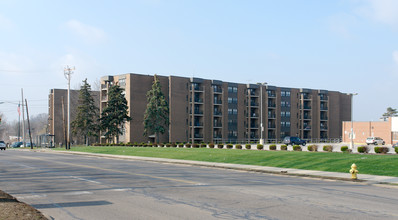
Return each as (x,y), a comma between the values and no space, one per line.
(64,186)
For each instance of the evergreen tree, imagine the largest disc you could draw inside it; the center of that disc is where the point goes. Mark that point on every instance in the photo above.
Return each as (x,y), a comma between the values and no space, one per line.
(85,123)
(390,112)
(115,114)
(156,117)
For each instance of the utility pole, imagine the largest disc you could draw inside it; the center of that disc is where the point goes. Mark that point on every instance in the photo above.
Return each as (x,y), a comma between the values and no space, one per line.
(30,134)
(23,120)
(68,72)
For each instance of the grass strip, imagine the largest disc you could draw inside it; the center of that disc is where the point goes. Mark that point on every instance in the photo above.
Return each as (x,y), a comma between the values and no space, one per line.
(384,165)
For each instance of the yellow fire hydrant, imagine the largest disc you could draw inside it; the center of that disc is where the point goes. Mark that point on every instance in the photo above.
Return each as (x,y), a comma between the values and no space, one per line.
(354,171)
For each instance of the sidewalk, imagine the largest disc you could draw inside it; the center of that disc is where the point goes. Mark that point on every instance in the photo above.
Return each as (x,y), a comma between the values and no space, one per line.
(371,179)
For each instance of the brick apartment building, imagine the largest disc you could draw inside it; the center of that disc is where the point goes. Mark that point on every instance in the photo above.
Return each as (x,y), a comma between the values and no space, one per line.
(203,110)
(387,130)
(58,113)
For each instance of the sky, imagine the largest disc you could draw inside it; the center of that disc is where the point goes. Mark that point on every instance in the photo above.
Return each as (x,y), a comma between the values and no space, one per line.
(349,46)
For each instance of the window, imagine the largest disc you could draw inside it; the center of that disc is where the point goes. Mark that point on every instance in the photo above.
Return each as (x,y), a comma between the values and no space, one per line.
(122,82)
(232,89)
(232,111)
(232,100)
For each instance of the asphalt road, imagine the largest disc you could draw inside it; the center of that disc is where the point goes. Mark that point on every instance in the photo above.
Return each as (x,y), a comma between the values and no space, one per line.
(81,187)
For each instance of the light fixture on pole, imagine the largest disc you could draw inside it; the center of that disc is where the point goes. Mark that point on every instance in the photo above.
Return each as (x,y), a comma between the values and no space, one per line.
(352,119)
(68,72)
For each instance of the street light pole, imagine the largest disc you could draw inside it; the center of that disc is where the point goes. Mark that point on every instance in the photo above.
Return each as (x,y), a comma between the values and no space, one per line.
(68,72)
(261,112)
(352,119)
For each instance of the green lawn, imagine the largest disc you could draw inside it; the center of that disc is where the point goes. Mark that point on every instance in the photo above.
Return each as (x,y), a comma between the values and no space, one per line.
(335,162)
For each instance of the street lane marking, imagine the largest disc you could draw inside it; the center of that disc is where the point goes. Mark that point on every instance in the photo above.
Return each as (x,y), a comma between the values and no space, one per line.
(87,180)
(32,196)
(77,193)
(115,171)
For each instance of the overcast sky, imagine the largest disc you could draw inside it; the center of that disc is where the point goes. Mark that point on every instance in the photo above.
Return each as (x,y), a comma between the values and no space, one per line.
(340,45)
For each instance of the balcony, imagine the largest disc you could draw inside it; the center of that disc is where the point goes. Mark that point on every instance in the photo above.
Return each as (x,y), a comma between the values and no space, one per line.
(271,105)
(198,100)
(307,107)
(254,126)
(323,97)
(104,86)
(198,136)
(308,117)
(198,112)
(198,124)
(306,96)
(217,90)
(324,118)
(217,125)
(253,104)
(324,108)
(324,128)
(307,127)
(217,101)
(271,94)
(254,115)
(217,113)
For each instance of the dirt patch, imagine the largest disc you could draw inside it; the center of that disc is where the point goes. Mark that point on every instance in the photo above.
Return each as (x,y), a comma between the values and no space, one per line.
(11,208)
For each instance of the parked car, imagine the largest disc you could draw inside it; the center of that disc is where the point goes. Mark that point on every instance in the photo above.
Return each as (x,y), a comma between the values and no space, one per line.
(16,144)
(395,145)
(3,145)
(375,141)
(294,141)
(28,144)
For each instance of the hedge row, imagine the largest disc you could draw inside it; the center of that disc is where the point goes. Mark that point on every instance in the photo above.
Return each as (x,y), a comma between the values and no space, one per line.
(272,147)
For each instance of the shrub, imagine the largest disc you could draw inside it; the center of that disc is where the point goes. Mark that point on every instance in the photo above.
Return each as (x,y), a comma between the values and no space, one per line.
(312,147)
(272,147)
(381,150)
(174,145)
(161,145)
(230,146)
(283,147)
(195,145)
(248,146)
(220,146)
(344,148)
(363,149)
(203,145)
(154,145)
(168,145)
(238,146)
(396,150)
(188,145)
(260,146)
(211,145)
(297,148)
(180,145)
(328,148)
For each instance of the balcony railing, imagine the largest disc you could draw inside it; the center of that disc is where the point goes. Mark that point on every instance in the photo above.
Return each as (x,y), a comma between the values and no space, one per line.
(198,112)
(324,108)
(217,113)
(217,90)
(217,101)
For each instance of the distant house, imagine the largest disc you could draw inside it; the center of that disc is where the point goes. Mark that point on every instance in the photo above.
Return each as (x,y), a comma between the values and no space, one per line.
(58,117)
(387,130)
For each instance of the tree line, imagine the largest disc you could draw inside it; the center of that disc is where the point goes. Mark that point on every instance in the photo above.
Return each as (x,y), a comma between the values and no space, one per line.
(88,122)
